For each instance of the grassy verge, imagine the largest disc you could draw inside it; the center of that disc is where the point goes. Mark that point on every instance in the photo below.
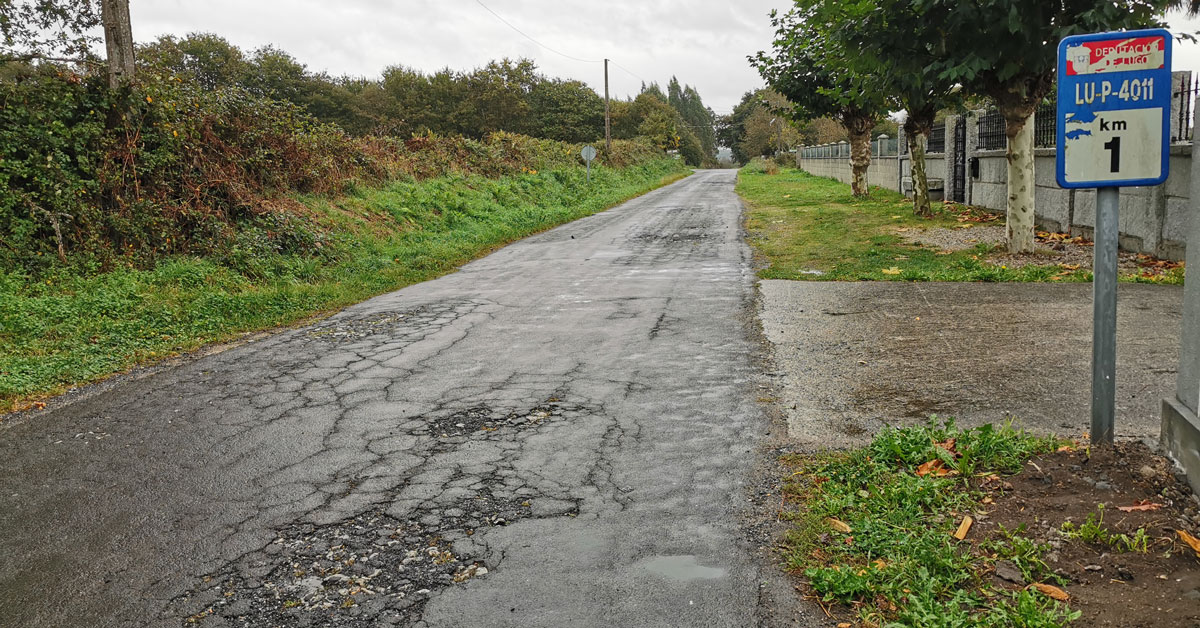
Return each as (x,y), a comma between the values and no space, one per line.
(71,328)
(874,530)
(808,227)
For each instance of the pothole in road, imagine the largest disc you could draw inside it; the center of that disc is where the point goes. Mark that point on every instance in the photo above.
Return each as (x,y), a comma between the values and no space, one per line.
(687,235)
(375,569)
(371,570)
(411,322)
(347,329)
(485,419)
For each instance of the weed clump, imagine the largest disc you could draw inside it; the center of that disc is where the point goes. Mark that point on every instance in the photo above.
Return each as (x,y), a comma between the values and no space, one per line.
(875,529)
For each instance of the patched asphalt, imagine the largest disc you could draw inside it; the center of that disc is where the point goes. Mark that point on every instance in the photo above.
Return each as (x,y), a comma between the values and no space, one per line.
(559,434)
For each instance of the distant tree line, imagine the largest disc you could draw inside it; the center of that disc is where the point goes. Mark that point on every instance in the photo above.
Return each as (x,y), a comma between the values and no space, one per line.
(503,95)
(763,124)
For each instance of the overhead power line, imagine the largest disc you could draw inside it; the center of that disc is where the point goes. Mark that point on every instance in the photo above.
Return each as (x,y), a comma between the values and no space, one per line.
(627,71)
(526,36)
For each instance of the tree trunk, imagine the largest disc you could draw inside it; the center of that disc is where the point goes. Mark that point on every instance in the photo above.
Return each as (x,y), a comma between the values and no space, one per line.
(860,160)
(1019,224)
(920,182)
(917,128)
(118,41)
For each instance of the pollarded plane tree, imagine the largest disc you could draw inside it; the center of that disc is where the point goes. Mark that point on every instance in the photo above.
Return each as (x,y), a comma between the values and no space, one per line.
(1007,50)
(808,67)
(892,40)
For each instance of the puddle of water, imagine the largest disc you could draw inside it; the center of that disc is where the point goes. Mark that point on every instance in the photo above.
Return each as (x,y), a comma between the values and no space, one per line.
(683,568)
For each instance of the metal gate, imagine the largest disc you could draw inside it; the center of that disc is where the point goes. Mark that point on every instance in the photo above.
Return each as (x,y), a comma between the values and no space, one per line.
(958,185)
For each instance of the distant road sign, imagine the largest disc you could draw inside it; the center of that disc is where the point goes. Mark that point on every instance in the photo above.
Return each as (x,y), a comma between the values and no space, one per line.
(1114,107)
(588,153)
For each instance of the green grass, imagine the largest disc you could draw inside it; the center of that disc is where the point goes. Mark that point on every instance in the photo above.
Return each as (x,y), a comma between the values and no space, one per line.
(899,564)
(800,223)
(73,328)
(1093,531)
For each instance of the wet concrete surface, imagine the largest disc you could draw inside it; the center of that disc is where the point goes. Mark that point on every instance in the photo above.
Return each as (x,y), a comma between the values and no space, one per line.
(557,435)
(850,358)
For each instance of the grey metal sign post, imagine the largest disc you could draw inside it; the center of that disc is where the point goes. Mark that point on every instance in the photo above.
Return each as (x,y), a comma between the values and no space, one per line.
(1104,315)
(1113,119)
(588,153)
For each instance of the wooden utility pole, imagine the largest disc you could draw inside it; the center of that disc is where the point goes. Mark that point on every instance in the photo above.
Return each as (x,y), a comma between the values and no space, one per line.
(118,41)
(607,121)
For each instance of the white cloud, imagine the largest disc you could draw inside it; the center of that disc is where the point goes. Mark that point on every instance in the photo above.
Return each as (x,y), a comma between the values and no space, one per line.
(703,42)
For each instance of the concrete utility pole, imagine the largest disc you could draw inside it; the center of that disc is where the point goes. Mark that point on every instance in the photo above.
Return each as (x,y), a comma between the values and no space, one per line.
(118,41)
(607,121)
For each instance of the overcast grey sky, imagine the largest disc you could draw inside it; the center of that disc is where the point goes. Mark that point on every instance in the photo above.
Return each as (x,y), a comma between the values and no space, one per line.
(703,42)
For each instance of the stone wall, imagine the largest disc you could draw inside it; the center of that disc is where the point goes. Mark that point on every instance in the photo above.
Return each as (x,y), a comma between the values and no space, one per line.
(1154,220)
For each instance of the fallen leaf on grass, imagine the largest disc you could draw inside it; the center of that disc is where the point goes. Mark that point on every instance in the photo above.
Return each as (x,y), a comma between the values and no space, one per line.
(844,624)
(897,216)
(1052,591)
(987,500)
(948,445)
(945,252)
(890,271)
(1069,266)
(964,527)
(838,525)
(1140,506)
(934,467)
(1192,541)
(39,405)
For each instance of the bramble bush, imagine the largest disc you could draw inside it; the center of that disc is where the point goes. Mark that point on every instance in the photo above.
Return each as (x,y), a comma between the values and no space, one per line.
(93,179)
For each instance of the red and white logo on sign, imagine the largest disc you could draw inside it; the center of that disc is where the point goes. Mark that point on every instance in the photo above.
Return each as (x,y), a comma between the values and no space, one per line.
(1116,55)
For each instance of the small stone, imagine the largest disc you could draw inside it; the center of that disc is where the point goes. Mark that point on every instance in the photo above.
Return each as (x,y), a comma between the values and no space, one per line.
(1005,570)
(1103,486)
(1093,568)
(1148,472)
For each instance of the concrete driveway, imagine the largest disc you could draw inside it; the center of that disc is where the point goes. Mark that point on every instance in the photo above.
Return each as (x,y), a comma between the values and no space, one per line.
(853,357)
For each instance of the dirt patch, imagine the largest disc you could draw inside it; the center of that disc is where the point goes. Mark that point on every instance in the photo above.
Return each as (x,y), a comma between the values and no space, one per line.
(1156,584)
(1070,253)
(959,238)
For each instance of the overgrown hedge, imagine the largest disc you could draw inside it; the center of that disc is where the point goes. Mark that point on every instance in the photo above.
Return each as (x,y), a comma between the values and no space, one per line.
(92,179)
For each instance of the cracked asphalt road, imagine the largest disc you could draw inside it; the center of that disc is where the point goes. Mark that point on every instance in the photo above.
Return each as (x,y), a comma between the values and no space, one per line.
(556,435)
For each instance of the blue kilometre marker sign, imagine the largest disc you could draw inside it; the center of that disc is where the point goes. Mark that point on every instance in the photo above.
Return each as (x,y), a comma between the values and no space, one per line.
(1114,106)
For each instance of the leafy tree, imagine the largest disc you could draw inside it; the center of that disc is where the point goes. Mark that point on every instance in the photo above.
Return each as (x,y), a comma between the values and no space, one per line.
(569,111)
(808,67)
(58,30)
(749,131)
(47,29)
(699,119)
(892,40)
(206,59)
(498,95)
(1007,50)
(273,73)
